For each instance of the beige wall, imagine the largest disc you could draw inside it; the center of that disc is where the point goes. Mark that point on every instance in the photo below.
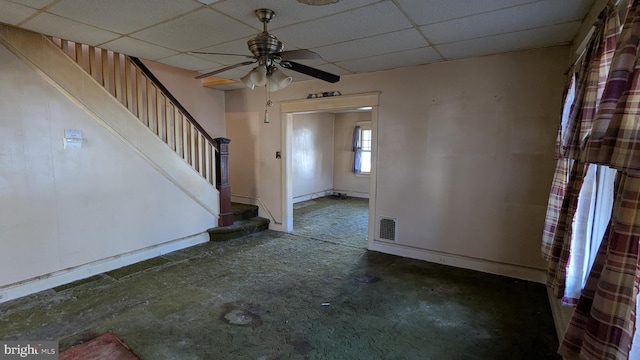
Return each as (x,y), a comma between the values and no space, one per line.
(465,154)
(312,147)
(204,104)
(344,179)
(61,209)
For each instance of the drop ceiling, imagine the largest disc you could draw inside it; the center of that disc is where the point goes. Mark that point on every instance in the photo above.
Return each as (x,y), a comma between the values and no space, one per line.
(351,36)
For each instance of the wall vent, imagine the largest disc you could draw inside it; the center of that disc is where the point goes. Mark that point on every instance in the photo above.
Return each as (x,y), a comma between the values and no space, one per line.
(387,229)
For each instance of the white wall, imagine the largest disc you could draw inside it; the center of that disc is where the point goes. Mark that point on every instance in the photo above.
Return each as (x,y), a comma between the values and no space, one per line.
(60,209)
(312,148)
(465,154)
(344,179)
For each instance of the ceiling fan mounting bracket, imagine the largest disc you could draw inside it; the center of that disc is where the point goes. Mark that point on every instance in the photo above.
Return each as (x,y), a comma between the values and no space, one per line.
(265,15)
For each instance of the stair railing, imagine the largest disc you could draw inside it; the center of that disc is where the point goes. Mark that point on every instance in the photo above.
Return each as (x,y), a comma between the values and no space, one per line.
(129,81)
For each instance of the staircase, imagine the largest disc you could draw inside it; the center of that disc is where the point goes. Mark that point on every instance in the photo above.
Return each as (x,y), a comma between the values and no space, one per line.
(246,223)
(130,82)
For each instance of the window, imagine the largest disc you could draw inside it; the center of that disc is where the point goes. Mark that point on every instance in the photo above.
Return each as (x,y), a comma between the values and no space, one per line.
(365,141)
(361,147)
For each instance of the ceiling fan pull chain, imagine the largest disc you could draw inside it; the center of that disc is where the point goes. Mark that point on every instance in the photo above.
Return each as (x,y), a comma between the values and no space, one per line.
(268,103)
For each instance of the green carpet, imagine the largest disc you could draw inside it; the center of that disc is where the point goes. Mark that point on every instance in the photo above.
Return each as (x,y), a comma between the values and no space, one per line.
(341,221)
(288,296)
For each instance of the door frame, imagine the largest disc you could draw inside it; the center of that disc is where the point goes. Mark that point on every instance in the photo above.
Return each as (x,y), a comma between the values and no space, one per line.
(319,105)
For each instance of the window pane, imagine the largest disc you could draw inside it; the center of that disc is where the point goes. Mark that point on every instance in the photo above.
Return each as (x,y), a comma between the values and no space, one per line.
(366,140)
(365,166)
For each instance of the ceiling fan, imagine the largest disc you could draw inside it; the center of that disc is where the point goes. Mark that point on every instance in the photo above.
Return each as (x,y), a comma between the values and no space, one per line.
(268,52)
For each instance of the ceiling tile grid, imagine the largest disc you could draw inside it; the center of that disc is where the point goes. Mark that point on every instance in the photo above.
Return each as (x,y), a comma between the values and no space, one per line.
(351,36)
(121,16)
(12,13)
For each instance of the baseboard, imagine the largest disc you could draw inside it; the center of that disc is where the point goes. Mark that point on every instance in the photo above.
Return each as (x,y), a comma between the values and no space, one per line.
(315,195)
(561,314)
(487,266)
(48,281)
(356,194)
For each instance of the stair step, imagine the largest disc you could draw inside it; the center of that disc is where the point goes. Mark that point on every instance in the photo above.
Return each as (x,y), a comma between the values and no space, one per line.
(244,211)
(240,228)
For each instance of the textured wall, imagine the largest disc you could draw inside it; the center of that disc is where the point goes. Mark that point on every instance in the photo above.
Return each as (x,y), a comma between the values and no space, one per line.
(465,150)
(312,154)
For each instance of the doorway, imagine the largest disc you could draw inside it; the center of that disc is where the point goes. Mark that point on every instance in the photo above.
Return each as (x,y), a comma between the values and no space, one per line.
(323,105)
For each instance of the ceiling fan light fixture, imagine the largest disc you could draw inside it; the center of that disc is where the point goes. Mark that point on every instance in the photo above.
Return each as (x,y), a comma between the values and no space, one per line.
(258,76)
(278,80)
(247,81)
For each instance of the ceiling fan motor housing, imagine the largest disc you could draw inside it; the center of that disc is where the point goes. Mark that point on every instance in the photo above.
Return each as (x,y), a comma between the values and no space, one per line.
(264,44)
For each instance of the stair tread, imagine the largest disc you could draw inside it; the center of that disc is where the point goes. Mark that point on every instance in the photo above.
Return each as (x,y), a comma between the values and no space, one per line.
(244,211)
(241,224)
(238,229)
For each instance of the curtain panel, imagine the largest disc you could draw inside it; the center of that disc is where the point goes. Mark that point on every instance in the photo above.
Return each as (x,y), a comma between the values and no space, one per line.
(356,147)
(559,234)
(603,324)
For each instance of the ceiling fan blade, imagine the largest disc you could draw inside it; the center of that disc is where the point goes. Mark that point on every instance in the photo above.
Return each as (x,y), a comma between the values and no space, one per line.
(224,69)
(217,53)
(307,70)
(301,54)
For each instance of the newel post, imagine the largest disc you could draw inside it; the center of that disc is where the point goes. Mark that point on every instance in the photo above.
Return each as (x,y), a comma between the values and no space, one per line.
(222,181)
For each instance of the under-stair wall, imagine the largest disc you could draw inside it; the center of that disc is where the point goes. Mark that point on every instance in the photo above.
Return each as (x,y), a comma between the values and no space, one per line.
(65,214)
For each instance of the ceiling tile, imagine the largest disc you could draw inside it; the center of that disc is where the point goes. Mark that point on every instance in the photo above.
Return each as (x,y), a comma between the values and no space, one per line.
(334,69)
(67,29)
(138,48)
(195,30)
(122,16)
(36,4)
(434,11)
(353,36)
(188,62)
(527,39)
(287,11)
(512,19)
(390,61)
(237,49)
(13,14)
(374,45)
(355,24)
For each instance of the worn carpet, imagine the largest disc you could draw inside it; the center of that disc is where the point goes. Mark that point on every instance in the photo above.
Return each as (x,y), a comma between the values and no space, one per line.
(283,296)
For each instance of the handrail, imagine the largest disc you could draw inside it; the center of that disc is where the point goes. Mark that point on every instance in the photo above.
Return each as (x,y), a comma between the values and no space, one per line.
(145,70)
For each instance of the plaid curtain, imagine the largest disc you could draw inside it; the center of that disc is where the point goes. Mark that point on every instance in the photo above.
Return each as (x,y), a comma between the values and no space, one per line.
(604,321)
(561,175)
(557,269)
(558,237)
